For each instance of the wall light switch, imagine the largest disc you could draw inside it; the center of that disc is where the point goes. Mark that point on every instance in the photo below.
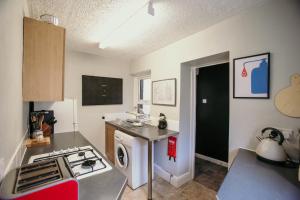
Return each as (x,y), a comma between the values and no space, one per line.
(204,100)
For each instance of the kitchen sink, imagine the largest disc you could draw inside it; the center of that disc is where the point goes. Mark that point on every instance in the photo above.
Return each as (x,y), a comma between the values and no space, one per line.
(131,123)
(126,124)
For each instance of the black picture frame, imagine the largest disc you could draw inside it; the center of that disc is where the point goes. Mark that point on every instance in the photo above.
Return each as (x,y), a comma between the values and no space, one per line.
(175,92)
(268,55)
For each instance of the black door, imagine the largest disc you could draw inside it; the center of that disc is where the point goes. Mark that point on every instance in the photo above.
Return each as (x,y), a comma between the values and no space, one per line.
(212,111)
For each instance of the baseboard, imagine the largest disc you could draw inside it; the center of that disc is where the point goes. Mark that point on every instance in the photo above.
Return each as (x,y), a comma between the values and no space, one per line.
(176,181)
(162,173)
(247,149)
(213,160)
(18,155)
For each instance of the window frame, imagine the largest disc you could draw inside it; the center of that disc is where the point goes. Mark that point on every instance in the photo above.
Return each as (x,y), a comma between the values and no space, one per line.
(139,100)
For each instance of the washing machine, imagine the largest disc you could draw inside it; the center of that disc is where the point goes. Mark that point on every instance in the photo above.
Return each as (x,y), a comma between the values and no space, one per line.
(131,157)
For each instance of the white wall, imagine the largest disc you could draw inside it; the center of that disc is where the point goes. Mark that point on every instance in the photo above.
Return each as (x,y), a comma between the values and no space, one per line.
(274,28)
(89,117)
(13,112)
(65,113)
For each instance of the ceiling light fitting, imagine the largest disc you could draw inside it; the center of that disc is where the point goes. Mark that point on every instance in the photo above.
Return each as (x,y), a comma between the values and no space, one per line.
(102,45)
(150,8)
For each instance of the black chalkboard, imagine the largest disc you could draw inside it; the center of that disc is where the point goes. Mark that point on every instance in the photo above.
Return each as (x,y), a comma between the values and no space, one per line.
(101,90)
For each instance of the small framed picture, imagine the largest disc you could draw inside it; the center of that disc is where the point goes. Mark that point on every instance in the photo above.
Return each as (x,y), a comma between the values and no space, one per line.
(251,77)
(164,92)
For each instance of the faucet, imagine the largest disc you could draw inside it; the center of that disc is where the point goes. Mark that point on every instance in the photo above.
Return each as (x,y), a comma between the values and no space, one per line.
(139,117)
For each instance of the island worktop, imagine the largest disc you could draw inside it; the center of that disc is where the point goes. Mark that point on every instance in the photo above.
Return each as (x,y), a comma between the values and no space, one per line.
(147,132)
(249,178)
(108,185)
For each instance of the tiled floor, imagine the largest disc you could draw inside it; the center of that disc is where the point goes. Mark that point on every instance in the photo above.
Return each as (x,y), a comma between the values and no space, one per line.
(162,190)
(209,174)
(202,187)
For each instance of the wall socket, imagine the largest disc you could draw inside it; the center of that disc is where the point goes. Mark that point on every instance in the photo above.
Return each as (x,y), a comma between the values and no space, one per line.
(286,132)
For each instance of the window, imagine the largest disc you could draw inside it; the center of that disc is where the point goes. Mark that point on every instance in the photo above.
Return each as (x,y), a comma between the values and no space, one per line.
(144,95)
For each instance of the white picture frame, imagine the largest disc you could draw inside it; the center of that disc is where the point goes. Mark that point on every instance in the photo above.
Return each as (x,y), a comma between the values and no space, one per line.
(164,92)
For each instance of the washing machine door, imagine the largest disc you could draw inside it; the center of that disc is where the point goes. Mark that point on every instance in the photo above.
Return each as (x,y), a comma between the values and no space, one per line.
(122,156)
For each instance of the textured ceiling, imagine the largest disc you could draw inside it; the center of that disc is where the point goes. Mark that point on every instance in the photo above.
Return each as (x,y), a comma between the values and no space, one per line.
(89,22)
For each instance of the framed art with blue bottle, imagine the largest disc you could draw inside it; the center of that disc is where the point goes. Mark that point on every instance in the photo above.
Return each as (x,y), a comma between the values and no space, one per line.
(251,77)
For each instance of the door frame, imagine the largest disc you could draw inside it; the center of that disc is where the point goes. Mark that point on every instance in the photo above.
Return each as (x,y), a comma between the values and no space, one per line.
(193,111)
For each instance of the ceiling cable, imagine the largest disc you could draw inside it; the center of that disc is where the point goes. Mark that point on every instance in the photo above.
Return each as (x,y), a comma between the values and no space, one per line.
(150,12)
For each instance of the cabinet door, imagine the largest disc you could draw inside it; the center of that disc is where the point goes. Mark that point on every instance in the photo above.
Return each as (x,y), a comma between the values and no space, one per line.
(109,142)
(43,62)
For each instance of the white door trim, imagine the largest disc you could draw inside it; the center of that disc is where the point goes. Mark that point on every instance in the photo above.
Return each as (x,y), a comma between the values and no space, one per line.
(193,113)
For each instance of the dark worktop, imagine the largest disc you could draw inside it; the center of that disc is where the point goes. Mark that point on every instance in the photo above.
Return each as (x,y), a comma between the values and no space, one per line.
(148,132)
(249,178)
(109,185)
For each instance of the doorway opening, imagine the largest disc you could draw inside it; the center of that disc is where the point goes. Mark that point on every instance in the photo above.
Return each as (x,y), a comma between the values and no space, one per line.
(187,122)
(211,124)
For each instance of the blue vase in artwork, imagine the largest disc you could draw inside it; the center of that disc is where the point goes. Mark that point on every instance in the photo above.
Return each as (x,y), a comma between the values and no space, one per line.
(259,78)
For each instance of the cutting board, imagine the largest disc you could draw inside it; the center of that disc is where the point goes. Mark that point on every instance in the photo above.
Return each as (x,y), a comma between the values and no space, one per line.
(34,142)
(287,100)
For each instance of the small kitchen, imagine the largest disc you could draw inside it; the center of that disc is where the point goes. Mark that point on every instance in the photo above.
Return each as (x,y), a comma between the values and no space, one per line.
(96,106)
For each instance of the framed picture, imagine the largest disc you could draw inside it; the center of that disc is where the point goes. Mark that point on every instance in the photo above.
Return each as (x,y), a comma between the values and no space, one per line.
(164,92)
(251,76)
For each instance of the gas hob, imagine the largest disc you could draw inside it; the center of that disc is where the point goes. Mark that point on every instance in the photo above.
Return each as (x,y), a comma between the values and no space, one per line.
(81,161)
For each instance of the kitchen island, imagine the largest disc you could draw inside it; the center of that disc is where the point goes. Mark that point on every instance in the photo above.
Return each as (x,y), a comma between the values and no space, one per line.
(108,185)
(249,179)
(149,133)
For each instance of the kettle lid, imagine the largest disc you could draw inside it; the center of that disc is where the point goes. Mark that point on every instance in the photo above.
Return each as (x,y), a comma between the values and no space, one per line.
(274,134)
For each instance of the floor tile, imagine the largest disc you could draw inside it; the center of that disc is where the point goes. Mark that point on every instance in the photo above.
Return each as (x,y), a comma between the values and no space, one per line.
(208,179)
(209,174)
(162,190)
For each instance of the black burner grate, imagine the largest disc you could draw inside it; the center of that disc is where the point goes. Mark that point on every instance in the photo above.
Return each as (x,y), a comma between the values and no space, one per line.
(37,174)
(76,163)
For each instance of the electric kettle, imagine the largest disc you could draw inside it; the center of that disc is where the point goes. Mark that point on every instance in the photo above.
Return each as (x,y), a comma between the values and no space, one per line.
(270,148)
(162,123)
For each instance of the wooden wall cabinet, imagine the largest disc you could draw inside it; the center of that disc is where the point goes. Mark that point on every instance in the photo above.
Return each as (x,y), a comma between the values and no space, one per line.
(110,142)
(43,61)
